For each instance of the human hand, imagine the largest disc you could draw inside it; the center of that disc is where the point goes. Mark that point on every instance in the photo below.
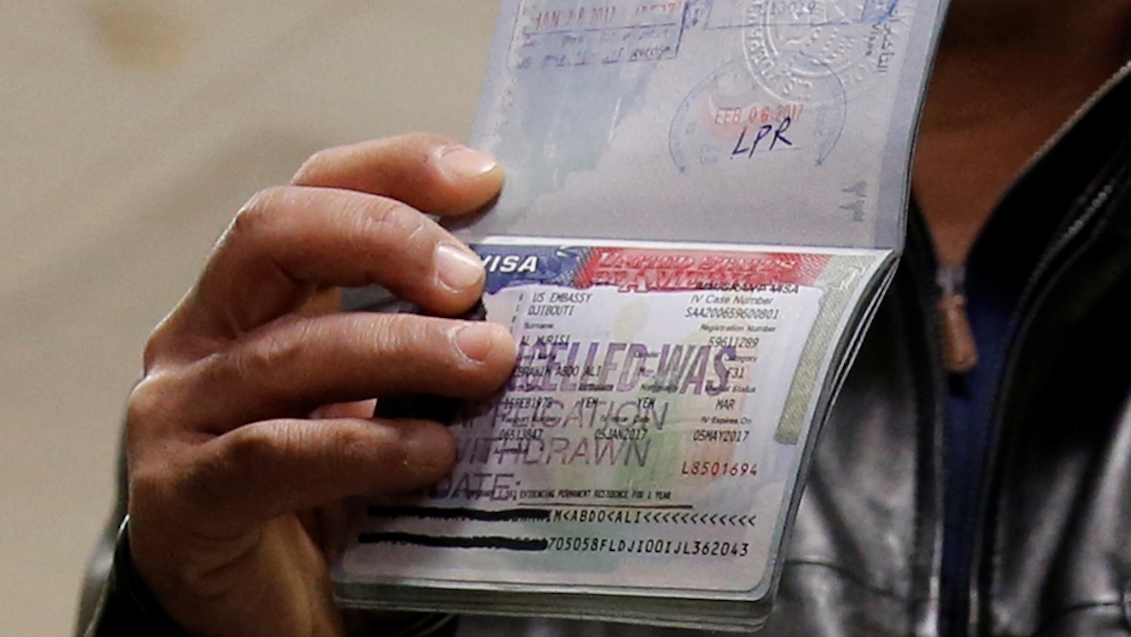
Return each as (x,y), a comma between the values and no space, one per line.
(246,430)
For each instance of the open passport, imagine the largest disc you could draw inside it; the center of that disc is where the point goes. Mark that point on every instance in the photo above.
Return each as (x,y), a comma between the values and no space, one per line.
(705,201)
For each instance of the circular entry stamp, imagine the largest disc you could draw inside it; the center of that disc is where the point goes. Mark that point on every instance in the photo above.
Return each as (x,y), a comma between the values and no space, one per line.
(790,45)
(731,118)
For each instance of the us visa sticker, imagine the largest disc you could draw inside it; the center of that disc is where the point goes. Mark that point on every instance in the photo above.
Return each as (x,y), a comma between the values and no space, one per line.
(653,422)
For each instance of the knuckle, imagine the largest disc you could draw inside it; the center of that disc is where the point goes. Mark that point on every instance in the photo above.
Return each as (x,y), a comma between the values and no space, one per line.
(416,159)
(212,478)
(248,452)
(315,166)
(273,351)
(383,215)
(273,370)
(147,401)
(204,483)
(259,210)
(424,141)
(404,237)
(404,349)
(152,480)
(155,346)
(156,458)
(142,401)
(149,488)
(264,362)
(169,344)
(411,338)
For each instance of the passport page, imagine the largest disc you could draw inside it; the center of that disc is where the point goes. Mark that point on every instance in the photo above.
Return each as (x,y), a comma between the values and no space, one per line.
(783,122)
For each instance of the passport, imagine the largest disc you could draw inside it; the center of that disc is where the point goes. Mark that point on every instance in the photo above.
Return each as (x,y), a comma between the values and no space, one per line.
(705,202)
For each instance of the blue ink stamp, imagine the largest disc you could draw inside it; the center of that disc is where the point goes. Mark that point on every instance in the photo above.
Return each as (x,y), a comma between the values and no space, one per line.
(791,44)
(568,33)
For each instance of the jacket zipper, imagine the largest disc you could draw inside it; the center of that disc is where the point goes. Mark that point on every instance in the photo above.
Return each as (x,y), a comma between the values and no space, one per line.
(1051,263)
(1071,122)
(930,535)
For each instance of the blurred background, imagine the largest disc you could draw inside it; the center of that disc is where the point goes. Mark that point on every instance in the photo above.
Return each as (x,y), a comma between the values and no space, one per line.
(131,131)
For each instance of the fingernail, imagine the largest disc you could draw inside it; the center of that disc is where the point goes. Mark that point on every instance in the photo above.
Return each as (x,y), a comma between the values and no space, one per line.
(465,163)
(475,340)
(456,267)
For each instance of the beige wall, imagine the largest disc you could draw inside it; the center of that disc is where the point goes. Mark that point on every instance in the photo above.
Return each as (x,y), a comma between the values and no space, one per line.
(131,130)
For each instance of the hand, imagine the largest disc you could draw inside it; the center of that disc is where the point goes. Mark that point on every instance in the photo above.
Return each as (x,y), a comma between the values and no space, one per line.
(245,431)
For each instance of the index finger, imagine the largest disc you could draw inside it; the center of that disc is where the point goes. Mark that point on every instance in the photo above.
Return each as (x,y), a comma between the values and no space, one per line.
(355,219)
(430,173)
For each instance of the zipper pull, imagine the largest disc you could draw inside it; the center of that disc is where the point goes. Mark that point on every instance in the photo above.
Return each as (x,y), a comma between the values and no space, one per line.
(960,352)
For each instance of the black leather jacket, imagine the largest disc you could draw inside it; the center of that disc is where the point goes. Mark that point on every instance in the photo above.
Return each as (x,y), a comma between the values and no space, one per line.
(1052,533)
